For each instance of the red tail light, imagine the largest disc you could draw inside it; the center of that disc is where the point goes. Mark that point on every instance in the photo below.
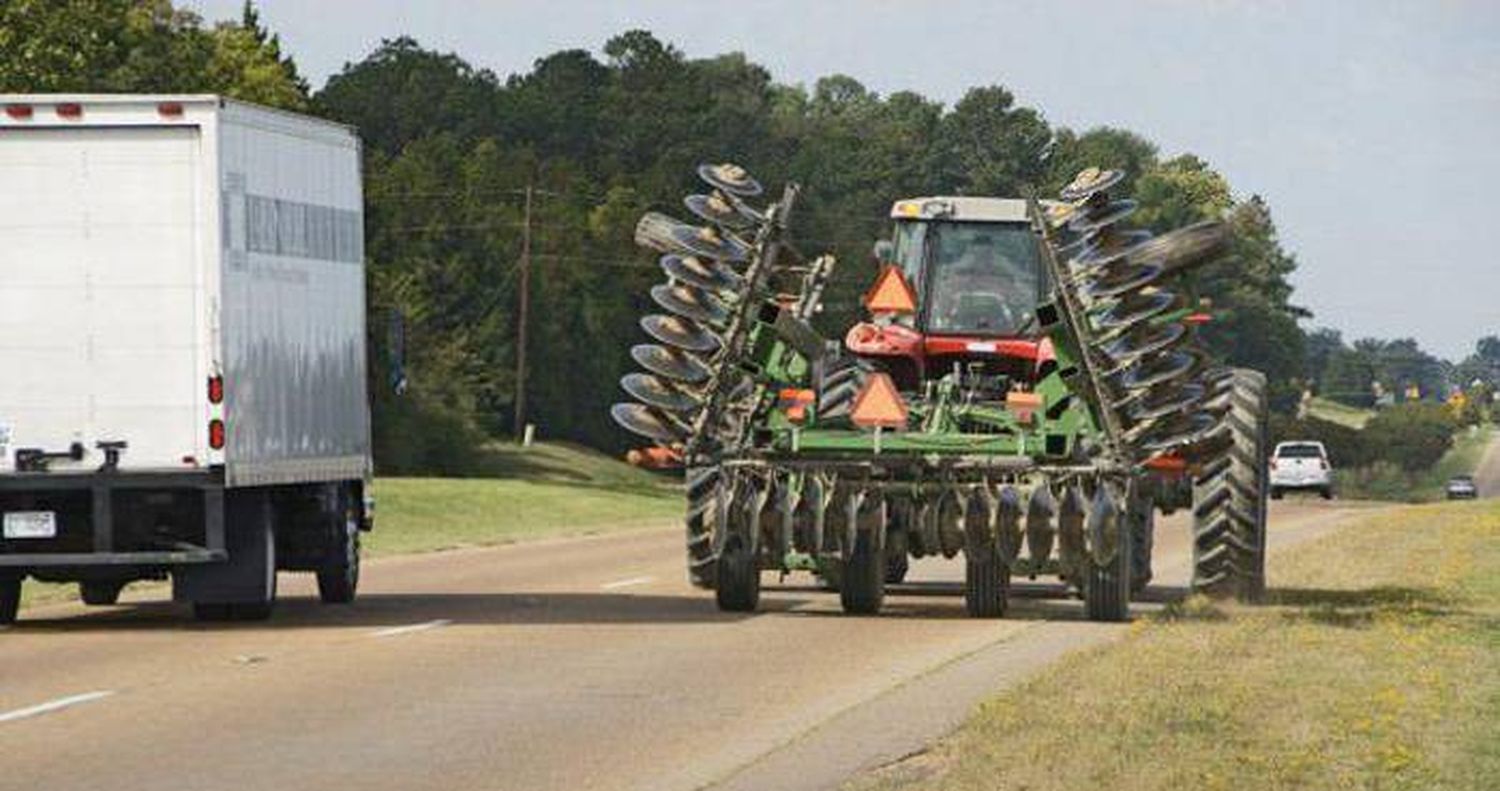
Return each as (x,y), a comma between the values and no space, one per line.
(216,434)
(169,109)
(215,389)
(70,110)
(20,112)
(1273,464)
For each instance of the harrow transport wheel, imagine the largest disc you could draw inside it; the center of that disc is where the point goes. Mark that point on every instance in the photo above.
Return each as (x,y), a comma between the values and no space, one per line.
(738,588)
(10,598)
(986,583)
(862,580)
(100,592)
(1142,518)
(897,545)
(1106,586)
(1229,500)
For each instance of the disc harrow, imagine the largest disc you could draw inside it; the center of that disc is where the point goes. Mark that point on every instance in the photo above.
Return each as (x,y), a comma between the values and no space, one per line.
(1029,457)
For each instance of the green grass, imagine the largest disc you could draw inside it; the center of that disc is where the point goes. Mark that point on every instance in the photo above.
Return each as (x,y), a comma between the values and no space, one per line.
(544,491)
(1386,481)
(1342,414)
(1375,665)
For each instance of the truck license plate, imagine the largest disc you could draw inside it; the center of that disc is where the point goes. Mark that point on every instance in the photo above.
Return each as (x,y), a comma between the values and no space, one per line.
(30,524)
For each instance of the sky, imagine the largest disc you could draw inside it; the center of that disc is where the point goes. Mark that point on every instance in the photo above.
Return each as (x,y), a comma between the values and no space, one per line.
(1372,128)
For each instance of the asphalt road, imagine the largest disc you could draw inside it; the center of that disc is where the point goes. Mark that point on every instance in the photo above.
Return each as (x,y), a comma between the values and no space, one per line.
(581,664)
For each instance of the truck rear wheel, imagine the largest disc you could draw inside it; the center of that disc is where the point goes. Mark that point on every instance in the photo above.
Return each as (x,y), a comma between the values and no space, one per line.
(338,581)
(10,598)
(249,514)
(100,592)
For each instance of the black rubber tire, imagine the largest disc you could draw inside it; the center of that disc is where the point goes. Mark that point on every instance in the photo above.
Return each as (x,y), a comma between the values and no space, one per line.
(1106,587)
(842,380)
(1142,539)
(702,487)
(738,588)
(100,593)
(986,583)
(862,578)
(897,555)
(1326,492)
(338,582)
(10,598)
(1229,500)
(1276,493)
(256,510)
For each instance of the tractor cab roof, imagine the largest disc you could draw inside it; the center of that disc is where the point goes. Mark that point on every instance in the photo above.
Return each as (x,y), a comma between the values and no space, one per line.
(960,208)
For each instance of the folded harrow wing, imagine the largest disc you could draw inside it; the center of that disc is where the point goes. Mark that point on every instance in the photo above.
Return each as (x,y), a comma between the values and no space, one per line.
(1027,392)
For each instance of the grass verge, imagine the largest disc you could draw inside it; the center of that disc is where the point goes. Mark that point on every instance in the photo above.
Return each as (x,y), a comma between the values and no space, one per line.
(1388,482)
(1376,665)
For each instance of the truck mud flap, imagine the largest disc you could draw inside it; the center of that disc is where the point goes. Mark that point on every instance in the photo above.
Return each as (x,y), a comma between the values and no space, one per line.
(249,575)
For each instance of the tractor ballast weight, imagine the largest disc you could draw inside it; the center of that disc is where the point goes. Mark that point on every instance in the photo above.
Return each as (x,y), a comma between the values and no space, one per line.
(1027,392)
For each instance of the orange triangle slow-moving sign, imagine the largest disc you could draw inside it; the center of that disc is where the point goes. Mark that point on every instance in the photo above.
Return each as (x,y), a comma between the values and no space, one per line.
(891,293)
(878,404)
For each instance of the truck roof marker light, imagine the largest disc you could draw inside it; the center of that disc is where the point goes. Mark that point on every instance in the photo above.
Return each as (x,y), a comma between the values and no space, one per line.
(70,110)
(169,109)
(215,389)
(216,434)
(891,293)
(878,404)
(19,112)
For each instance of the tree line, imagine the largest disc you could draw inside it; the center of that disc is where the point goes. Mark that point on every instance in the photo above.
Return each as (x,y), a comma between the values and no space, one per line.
(451,150)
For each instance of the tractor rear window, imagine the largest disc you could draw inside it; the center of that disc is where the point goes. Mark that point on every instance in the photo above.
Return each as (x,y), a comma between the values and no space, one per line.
(973,278)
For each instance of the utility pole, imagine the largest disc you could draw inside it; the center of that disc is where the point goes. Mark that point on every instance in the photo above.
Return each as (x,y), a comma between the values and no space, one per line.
(524,311)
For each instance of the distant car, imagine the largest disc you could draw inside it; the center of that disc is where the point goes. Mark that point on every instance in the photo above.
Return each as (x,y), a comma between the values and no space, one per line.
(1301,465)
(1461,487)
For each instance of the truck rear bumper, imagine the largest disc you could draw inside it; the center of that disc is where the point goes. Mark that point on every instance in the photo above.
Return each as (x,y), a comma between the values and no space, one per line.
(89,511)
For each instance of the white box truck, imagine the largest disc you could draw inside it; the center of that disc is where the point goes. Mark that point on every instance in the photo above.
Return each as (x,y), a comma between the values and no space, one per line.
(182,349)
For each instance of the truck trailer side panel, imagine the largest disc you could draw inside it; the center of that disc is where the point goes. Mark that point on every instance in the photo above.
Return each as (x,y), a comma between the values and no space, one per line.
(292,325)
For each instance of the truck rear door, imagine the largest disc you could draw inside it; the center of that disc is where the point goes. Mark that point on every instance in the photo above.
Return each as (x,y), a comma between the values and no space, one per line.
(100,293)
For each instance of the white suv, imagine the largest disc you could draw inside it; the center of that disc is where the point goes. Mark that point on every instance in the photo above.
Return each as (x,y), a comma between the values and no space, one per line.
(1302,464)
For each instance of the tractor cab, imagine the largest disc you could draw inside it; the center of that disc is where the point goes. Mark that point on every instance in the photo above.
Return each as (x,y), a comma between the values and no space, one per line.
(960,282)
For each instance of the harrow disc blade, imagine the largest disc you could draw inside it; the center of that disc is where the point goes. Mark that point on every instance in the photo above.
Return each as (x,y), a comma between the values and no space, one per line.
(1174,432)
(1089,182)
(721,209)
(690,303)
(1160,368)
(1101,243)
(680,332)
(1142,340)
(657,392)
(1102,217)
(709,242)
(708,275)
(1165,400)
(648,422)
(671,363)
(1133,308)
(1123,278)
(730,178)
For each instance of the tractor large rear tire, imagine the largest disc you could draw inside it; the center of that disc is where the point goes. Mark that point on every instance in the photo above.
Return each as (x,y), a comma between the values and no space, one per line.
(1229,499)
(842,379)
(702,488)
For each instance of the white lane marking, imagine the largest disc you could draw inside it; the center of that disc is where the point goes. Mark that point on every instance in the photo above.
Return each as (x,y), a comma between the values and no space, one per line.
(609,586)
(408,629)
(54,705)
